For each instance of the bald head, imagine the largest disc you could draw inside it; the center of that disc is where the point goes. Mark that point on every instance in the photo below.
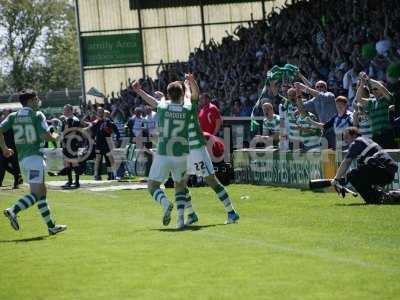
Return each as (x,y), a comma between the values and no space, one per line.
(321,86)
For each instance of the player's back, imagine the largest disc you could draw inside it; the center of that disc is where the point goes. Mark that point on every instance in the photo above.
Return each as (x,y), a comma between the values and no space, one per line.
(196,138)
(173,122)
(28,126)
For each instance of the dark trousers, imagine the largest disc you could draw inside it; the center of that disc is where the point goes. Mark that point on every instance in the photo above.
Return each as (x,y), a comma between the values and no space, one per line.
(102,152)
(77,170)
(10,165)
(330,137)
(369,182)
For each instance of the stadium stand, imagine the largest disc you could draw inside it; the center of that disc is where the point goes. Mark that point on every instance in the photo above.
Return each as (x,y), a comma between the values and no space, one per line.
(328,40)
(332,46)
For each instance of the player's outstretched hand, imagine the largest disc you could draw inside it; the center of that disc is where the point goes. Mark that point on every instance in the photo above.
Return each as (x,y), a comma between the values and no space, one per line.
(136,86)
(8,152)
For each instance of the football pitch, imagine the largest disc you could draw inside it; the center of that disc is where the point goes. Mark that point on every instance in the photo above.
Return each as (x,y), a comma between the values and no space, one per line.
(288,244)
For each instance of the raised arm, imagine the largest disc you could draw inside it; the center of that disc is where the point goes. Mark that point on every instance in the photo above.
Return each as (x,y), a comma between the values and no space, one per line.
(360,91)
(304,79)
(150,100)
(194,88)
(376,84)
(188,93)
(307,89)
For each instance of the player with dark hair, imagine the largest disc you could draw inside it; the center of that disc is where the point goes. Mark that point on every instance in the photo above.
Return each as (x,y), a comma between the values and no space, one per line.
(375,168)
(199,162)
(102,129)
(172,149)
(30,129)
(70,144)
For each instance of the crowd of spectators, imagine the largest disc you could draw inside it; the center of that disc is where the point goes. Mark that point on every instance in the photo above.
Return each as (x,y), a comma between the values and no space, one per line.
(331,42)
(328,40)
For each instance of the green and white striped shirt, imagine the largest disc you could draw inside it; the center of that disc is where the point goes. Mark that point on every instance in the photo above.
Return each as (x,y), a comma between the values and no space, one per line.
(364,124)
(173,122)
(271,127)
(378,110)
(310,138)
(196,138)
(288,112)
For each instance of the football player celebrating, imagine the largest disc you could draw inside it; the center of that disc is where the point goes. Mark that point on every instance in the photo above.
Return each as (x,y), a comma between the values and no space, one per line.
(30,129)
(172,149)
(199,161)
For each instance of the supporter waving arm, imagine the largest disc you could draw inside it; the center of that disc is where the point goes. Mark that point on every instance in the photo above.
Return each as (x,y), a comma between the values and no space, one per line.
(307,89)
(379,86)
(360,91)
(304,79)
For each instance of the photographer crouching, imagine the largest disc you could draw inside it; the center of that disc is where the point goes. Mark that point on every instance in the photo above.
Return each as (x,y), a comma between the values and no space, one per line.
(375,169)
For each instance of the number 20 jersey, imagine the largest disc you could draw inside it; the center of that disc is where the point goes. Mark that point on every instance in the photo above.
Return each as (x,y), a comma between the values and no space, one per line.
(28,127)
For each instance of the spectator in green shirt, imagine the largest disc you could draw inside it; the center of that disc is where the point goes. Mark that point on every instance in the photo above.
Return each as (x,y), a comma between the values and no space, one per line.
(377,106)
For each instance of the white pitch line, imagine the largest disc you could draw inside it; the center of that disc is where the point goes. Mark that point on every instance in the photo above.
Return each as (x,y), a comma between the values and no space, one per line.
(311,253)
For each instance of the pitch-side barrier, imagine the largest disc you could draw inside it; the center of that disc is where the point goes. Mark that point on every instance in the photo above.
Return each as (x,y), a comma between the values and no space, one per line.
(289,169)
(136,162)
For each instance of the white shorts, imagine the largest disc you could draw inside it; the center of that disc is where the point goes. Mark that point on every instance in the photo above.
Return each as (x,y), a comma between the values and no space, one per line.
(33,168)
(164,164)
(199,163)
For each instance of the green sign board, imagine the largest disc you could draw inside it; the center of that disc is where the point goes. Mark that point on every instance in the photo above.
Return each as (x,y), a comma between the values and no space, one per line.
(116,49)
(271,167)
(290,169)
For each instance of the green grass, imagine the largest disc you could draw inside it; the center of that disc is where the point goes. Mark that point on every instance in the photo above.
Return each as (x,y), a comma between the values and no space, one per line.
(289,244)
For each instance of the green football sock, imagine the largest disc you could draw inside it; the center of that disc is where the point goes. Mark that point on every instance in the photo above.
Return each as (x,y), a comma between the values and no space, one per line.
(24,203)
(45,212)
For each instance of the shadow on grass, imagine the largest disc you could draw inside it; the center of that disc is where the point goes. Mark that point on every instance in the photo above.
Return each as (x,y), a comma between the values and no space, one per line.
(320,191)
(26,240)
(187,228)
(365,204)
(351,204)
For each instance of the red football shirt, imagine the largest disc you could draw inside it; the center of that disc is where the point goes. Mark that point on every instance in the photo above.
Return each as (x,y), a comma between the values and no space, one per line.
(208,115)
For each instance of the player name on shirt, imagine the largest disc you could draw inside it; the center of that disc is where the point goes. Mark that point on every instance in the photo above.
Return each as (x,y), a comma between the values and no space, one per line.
(175,115)
(23,119)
